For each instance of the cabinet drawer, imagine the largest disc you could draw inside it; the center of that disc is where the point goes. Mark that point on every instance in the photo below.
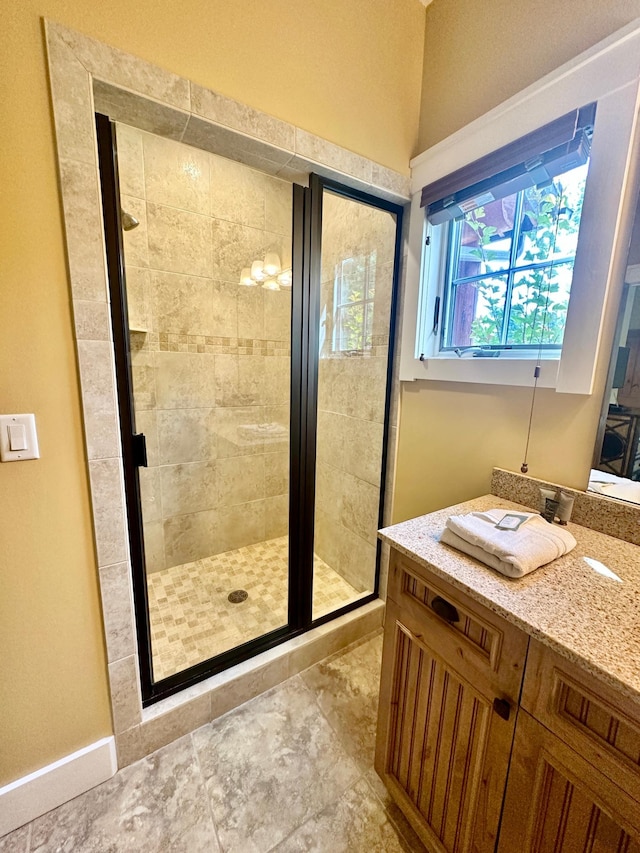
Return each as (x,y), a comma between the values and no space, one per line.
(598,722)
(470,637)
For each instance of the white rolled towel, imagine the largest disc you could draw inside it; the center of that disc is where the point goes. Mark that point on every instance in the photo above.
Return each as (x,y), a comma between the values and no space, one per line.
(515,553)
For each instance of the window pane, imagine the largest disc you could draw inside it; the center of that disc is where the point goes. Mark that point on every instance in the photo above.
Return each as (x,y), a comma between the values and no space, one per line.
(350,327)
(539,304)
(551,218)
(485,238)
(352,277)
(477,312)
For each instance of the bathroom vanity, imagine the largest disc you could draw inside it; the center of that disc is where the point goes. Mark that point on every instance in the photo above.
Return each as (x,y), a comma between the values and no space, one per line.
(509,713)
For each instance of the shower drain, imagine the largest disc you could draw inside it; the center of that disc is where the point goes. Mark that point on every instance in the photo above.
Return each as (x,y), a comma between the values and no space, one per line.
(238,595)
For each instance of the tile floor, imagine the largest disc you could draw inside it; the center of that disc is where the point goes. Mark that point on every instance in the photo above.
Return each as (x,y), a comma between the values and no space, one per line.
(192,619)
(291,770)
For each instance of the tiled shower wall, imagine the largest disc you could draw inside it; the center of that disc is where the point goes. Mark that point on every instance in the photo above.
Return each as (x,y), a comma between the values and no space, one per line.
(210,359)
(351,396)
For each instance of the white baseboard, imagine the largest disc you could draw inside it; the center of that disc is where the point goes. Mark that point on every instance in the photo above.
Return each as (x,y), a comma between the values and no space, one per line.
(34,795)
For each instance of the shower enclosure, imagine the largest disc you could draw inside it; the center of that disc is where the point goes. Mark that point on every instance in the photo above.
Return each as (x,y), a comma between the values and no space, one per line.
(252,323)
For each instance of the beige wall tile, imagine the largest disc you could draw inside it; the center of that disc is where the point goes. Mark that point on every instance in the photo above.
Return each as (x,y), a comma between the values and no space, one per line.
(362,391)
(191,537)
(91,320)
(99,400)
(108,511)
(136,241)
(129,747)
(278,205)
(277,315)
(179,241)
(357,561)
(231,437)
(125,693)
(150,494)
(117,609)
(330,439)
(250,307)
(143,374)
(237,193)
(329,491)
(239,380)
(241,117)
(225,298)
(321,151)
(147,423)
(277,380)
(71,92)
(147,114)
(276,516)
(240,479)
(184,380)
(359,510)
(228,143)
(182,304)
(327,539)
(83,225)
(248,685)
(235,247)
(176,175)
(130,161)
(122,68)
(387,179)
(188,487)
(177,722)
(240,525)
(276,473)
(363,449)
(154,556)
(186,435)
(137,283)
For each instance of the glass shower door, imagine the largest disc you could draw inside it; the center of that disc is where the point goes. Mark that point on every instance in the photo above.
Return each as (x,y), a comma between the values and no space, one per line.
(356,288)
(207,253)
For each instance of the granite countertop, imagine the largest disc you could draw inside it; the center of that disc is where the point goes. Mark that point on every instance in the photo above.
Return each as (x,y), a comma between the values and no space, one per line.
(590,617)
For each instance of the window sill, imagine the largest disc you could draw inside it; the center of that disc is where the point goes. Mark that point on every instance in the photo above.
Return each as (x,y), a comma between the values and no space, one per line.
(505,370)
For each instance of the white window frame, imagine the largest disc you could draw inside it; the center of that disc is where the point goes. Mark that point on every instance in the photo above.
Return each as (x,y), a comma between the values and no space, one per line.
(608,73)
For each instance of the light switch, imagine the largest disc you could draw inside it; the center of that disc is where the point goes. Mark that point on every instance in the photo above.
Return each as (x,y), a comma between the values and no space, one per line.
(18,438)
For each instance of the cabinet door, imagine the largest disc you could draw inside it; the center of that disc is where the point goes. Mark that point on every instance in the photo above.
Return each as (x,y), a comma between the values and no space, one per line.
(442,749)
(559,803)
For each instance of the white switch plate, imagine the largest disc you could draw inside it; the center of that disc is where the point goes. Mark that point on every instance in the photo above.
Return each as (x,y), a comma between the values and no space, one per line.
(29,424)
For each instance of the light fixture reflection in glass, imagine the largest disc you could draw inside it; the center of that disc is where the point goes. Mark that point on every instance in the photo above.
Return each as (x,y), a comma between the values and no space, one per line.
(285,278)
(601,569)
(271,284)
(245,278)
(272,263)
(257,271)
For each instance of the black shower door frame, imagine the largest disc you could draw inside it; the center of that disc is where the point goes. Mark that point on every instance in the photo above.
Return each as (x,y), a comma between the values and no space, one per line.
(305,316)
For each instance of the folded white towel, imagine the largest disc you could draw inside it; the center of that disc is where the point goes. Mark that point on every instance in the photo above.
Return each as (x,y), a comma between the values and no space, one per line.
(513,552)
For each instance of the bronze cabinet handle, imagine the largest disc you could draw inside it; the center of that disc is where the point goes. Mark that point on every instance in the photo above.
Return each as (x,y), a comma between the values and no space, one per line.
(444,610)
(502,708)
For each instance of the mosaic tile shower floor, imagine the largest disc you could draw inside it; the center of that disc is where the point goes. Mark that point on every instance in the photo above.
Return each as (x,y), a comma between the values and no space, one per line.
(193,620)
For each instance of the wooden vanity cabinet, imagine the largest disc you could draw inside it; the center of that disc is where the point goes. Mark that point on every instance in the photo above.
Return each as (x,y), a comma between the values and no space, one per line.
(451,676)
(482,755)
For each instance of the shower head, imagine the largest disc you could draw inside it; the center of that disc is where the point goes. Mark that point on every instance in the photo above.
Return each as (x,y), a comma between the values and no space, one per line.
(128,221)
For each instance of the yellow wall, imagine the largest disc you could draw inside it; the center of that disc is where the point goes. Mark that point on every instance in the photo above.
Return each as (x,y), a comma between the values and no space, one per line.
(477,53)
(451,435)
(347,71)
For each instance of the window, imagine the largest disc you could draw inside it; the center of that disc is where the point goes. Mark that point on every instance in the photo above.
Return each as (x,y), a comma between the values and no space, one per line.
(459,169)
(354,291)
(510,268)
